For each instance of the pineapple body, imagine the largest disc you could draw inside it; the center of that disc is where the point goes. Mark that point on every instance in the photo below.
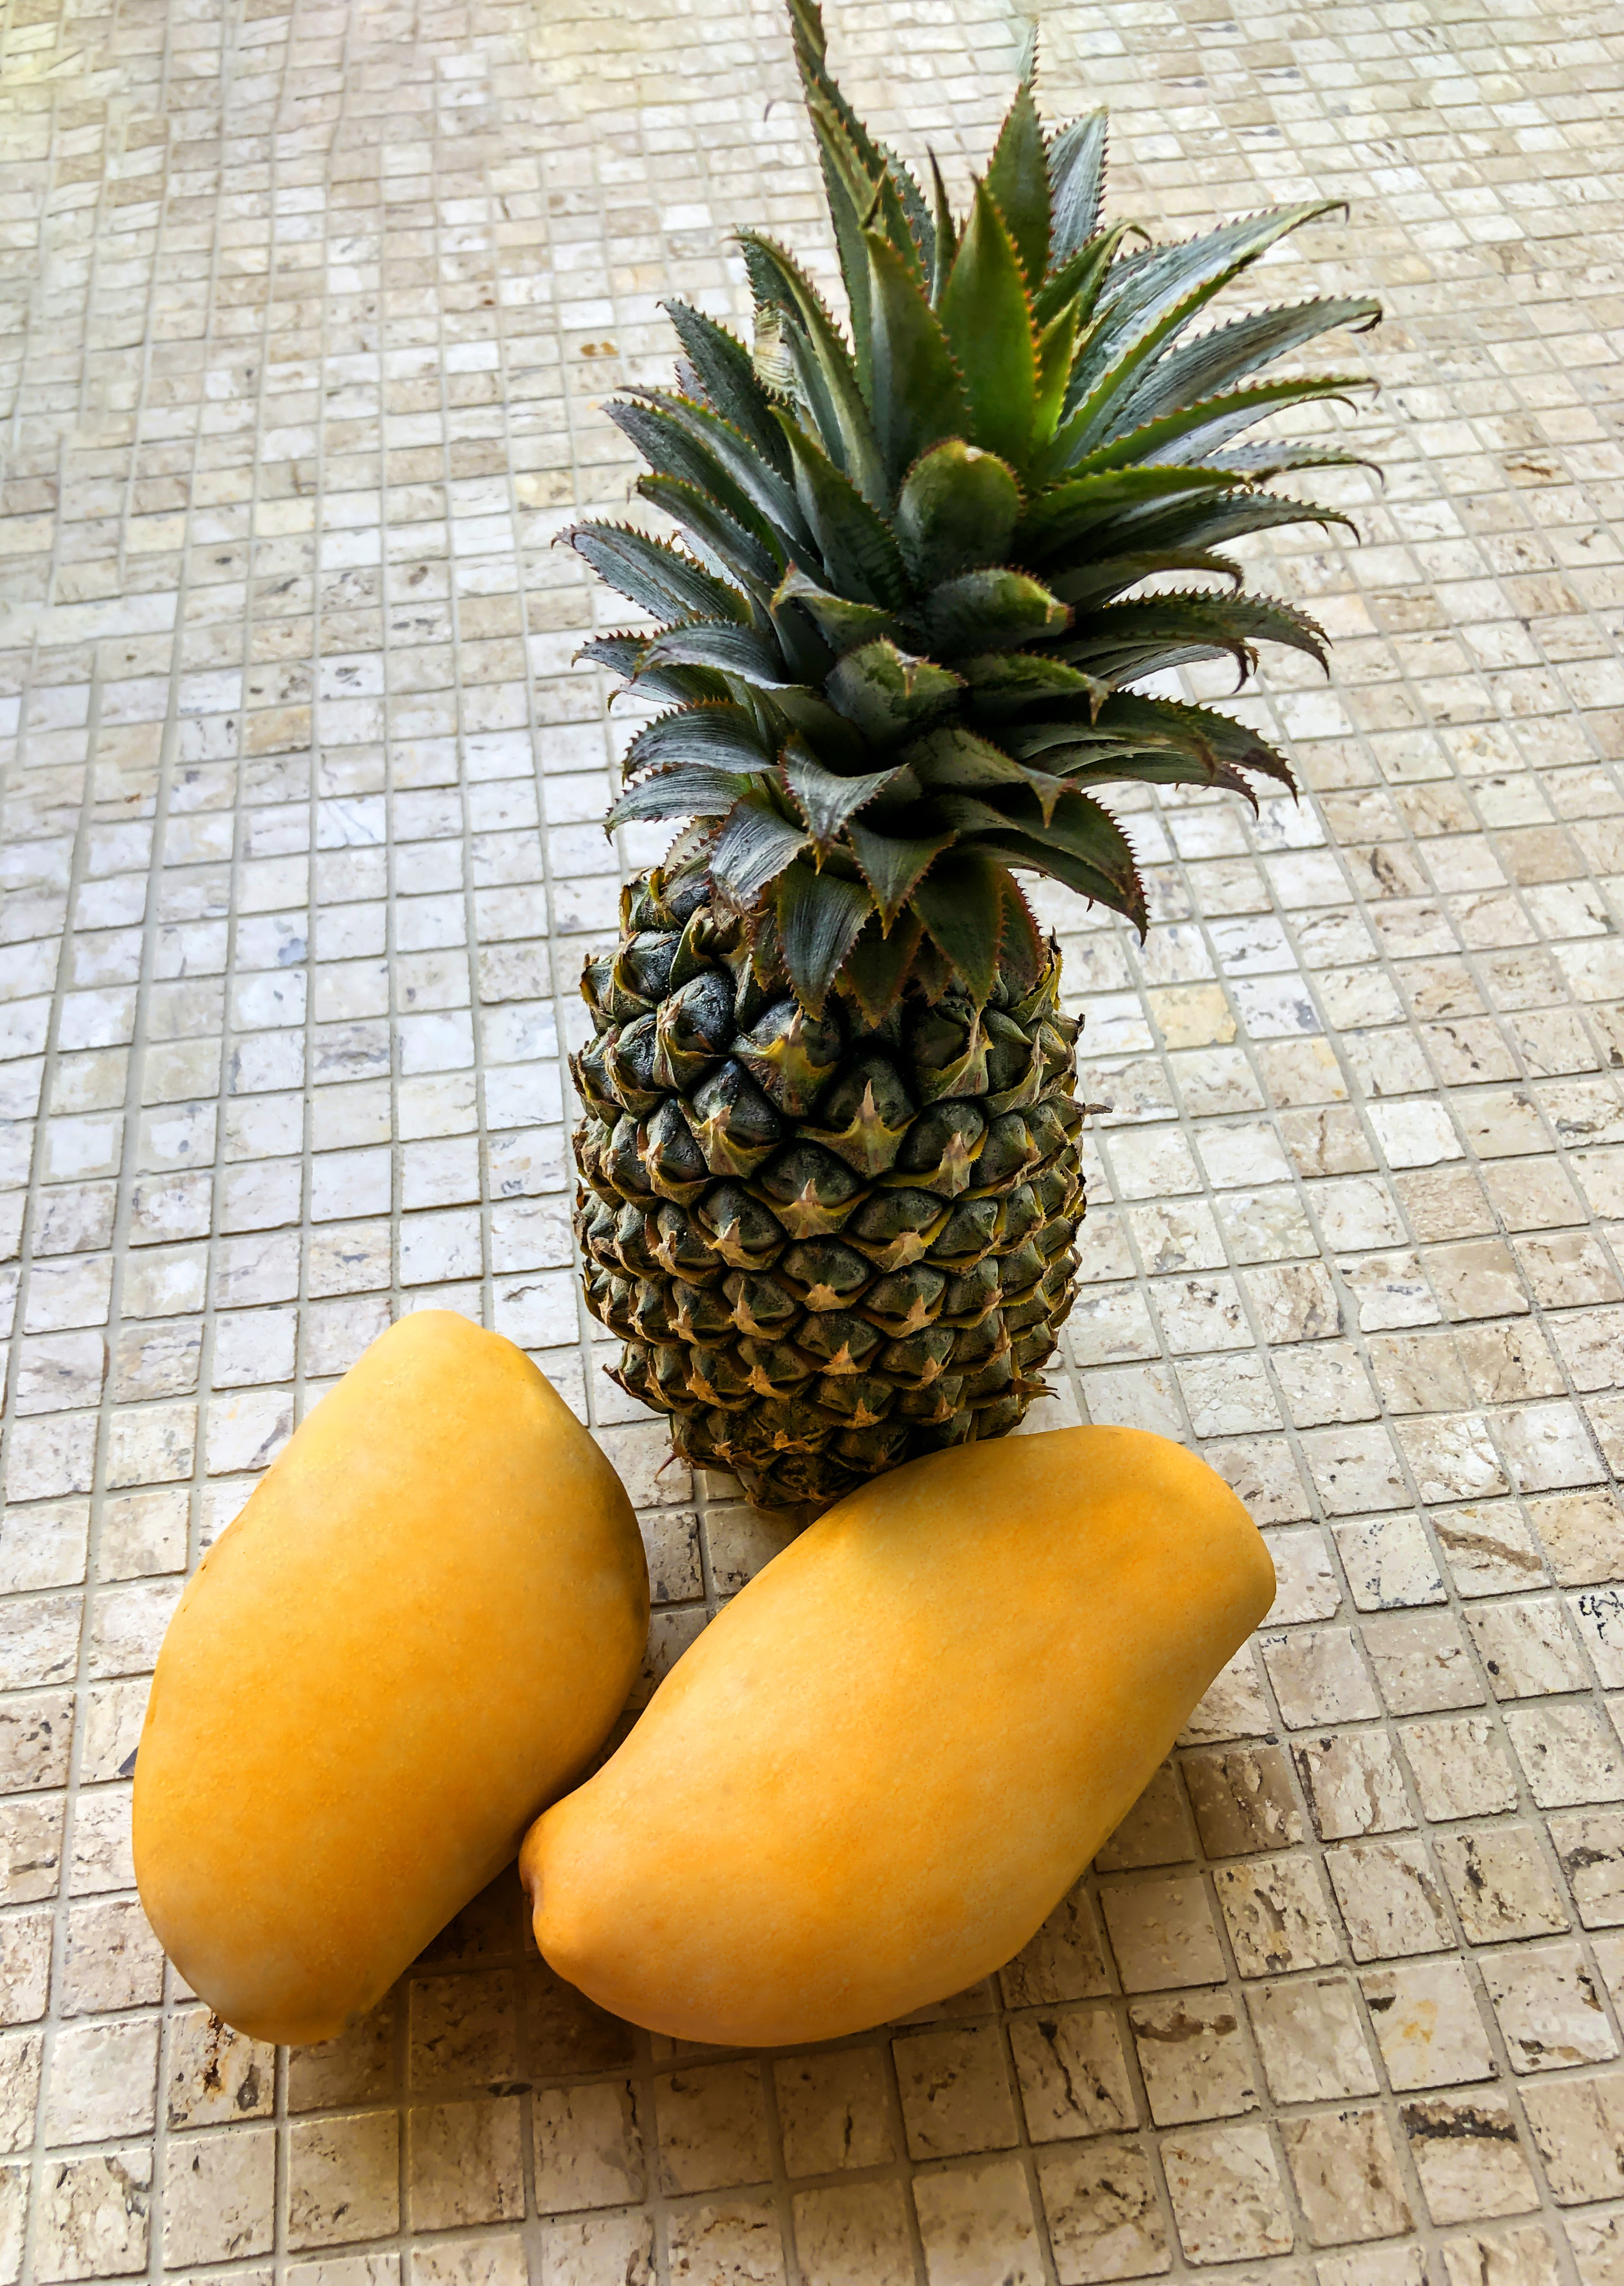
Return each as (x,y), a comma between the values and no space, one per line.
(828,1246)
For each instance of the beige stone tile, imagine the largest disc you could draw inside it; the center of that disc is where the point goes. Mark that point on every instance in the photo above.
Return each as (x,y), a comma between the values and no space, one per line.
(1157,1830)
(955,2091)
(854,2234)
(588,2147)
(1310,2040)
(1590,1852)
(1065,1960)
(463,2164)
(20,2057)
(218,2195)
(1549,2010)
(215,2075)
(1162,1932)
(343,2179)
(1578,2128)
(1347,2176)
(1459,1767)
(103,2081)
(620,2246)
(1099,2202)
(1193,2055)
(1243,1800)
(463,2029)
(1522,2257)
(712,2125)
(1227,2197)
(1421,1662)
(1071,2073)
(1498,1879)
(833,2112)
(1470,2158)
(1427,2024)
(1353,1784)
(975,2214)
(356,2068)
(1278,1915)
(1391,1902)
(707,2240)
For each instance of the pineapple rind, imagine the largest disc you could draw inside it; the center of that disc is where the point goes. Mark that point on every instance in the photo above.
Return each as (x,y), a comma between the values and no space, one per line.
(827,1248)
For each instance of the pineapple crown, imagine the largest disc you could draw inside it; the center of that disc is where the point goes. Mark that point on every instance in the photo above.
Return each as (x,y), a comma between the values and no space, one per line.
(900,638)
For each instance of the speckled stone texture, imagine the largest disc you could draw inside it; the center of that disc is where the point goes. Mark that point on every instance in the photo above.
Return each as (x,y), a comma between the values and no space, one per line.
(308,319)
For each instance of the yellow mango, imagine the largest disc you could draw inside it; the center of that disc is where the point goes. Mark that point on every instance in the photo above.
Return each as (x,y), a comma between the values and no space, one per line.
(417,1632)
(882,1765)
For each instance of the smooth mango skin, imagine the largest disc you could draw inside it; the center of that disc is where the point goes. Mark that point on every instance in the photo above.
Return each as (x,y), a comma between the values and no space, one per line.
(882,1765)
(418,1631)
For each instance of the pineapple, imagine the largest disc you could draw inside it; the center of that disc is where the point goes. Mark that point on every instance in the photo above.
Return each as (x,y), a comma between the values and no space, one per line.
(830,1175)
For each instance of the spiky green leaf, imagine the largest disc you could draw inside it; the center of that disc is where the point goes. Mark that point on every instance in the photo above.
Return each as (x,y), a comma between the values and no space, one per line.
(818,916)
(858,547)
(1018,180)
(1076,180)
(1198,368)
(988,320)
(879,966)
(1060,517)
(828,374)
(725,368)
(841,623)
(960,902)
(997,609)
(1002,684)
(826,800)
(746,653)
(893,863)
(756,844)
(725,734)
(915,393)
(889,693)
(956,511)
(681,789)
(655,576)
(1197,428)
(712,532)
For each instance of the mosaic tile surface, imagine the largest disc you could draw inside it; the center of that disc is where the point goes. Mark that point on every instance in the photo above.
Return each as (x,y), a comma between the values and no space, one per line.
(309,312)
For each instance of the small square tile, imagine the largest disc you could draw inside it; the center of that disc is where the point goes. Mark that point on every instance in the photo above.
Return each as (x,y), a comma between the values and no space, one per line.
(1277,1915)
(975,2216)
(1427,2024)
(343,2179)
(1550,2012)
(1310,2040)
(854,2234)
(1228,2200)
(1470,2158)
(955,2091)
(1498,1879)
(1391,1902)
(1459,1767)
(588,2147)
(1099,2200)
(1347,2175)
(712,2124)
(1162,1934)
(1065,1960)
(1243,1800)
(1071,2073)
(1194,2058)
(832,2111)
(463,2164)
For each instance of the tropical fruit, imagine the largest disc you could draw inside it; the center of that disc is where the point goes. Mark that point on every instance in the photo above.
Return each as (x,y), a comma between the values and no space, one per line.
(829,1157)
(418,1631)
(868,1783)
